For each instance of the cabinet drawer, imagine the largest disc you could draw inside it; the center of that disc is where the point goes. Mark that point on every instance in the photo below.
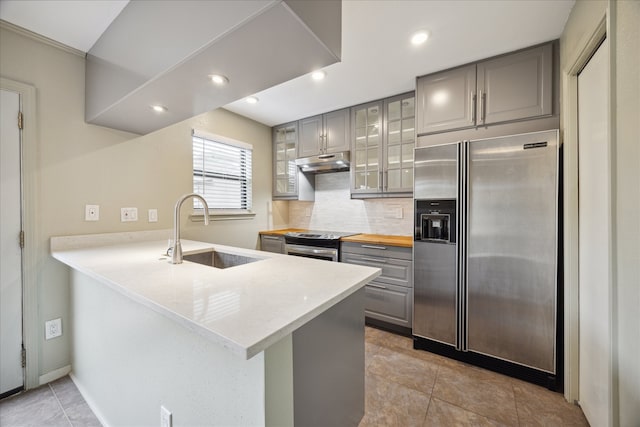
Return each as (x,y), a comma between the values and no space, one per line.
(394,271)
(272,244)
(376,250)
(389,303)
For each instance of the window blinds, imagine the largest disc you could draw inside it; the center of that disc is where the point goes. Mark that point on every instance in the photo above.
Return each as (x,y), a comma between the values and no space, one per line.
(221,172)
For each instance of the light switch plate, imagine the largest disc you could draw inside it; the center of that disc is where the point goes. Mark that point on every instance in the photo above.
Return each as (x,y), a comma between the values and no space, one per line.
(153,215)
(128,214)
(91,212)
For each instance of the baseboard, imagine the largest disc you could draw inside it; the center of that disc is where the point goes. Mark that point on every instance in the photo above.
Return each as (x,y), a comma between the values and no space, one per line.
(89,401)
(54,375)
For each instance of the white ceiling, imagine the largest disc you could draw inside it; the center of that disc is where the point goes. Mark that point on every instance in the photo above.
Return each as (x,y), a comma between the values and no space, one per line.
(377,58)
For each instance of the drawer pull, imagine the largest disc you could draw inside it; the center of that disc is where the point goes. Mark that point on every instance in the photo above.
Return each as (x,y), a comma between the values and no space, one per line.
(380,260)
(374,247)
(271,237)
(376,286)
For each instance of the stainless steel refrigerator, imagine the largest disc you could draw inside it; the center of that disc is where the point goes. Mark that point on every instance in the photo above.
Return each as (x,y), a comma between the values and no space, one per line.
(485,251)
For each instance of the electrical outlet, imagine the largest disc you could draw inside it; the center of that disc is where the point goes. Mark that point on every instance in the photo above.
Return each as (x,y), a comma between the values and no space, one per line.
(128,214)
(153,215)
(165,417)
(91,212)
(52,328)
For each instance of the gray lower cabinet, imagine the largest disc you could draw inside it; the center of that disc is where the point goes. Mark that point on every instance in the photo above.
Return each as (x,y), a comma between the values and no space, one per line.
(511,87)
(389,297)
(271,243)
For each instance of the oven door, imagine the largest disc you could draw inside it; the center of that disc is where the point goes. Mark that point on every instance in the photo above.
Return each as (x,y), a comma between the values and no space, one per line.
(328,254)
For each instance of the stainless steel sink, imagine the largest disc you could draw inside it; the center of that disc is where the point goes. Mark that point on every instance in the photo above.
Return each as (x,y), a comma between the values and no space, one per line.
(219,259)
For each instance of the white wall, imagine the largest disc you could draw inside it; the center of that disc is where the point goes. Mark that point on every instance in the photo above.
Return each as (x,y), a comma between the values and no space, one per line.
(82,164)
(334,210)
(126,353)
(621,18)
(626,34)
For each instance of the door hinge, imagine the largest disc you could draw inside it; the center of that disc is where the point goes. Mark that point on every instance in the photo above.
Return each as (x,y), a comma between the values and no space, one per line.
(21,238)
(20,120)
(24,358)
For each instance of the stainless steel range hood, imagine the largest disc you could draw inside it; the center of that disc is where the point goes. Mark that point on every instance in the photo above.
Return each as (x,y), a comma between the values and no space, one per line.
(323,163)
(162,53)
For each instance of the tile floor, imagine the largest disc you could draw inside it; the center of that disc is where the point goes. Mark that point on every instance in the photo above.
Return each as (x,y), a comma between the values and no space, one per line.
(404,387)
(56,404)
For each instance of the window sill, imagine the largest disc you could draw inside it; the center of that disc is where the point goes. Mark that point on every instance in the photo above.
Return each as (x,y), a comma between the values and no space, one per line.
(222,215)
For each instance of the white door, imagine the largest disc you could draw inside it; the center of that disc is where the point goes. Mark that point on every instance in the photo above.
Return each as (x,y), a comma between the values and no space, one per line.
(595,228)
(11,372)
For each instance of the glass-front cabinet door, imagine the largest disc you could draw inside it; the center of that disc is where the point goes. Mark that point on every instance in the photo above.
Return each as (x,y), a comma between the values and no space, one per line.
(399,142)
(285,178)
(366,148)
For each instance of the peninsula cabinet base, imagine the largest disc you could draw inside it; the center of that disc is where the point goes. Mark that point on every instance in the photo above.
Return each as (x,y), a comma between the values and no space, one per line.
(128,360)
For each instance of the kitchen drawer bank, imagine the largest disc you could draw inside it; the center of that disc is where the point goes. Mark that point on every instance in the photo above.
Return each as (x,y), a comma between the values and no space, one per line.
(273,240)
(254,344)
(389,297)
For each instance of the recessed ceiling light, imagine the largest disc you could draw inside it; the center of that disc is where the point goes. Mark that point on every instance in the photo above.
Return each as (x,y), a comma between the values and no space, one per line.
(219,79)
(159,108)
(318,75)
(252,100)
(419,38)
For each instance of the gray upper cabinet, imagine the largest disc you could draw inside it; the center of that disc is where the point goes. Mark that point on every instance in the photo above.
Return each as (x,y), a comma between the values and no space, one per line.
(516,86)
(399,142)
(508,88)
(446,100)
(325,133)
(382,143)
(366,148)
(288,182)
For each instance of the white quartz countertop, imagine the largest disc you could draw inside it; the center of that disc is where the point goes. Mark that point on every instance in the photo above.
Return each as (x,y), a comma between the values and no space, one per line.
(245,308)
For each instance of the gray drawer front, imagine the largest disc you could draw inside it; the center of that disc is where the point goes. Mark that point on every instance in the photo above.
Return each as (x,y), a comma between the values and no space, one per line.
(272,244)
(394,271)
(377,250)
(389,303)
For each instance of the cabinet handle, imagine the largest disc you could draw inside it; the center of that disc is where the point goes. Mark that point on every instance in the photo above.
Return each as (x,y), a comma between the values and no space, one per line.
(380,180)
(483,101)
(380,260)
(472,107)
(373,285)
(271,237)
(386,180)
(383,248)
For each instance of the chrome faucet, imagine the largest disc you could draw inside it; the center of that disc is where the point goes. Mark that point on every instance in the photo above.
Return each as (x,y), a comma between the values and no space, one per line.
(176,249)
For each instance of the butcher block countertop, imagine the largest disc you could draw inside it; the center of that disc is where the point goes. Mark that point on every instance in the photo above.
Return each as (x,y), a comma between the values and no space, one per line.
(282,231)
(381,239)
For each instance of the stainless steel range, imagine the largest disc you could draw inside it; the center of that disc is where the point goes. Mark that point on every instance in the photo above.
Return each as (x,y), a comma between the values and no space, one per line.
(315,244)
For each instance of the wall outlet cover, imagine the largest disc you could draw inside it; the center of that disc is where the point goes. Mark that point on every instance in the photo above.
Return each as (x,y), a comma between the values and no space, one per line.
(91,212)
(165,417)
(153,215)
(128,214)
(53,328)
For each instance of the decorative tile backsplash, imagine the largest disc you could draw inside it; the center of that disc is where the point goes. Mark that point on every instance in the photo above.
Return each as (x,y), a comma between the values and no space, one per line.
(334,210)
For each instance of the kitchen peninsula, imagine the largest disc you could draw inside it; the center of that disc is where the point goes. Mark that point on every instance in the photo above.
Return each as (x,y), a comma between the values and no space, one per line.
(276,341)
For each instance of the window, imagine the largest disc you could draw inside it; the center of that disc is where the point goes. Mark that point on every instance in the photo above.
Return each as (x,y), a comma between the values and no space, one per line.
(222,173)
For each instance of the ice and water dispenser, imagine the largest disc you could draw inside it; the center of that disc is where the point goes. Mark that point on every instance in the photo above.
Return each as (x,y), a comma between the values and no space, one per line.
(435,221)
